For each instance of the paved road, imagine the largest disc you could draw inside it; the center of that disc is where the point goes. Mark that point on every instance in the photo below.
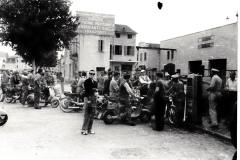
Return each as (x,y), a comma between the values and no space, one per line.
(51,134)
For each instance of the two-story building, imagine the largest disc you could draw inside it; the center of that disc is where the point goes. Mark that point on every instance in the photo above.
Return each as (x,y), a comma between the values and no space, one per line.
(148,56)
(100,45)
(123,57)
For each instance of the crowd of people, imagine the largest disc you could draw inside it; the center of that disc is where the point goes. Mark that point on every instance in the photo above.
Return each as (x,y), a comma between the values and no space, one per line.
(121,87)
(24,80)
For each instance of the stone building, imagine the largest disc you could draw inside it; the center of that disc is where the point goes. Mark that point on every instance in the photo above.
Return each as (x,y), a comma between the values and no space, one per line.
(199,52)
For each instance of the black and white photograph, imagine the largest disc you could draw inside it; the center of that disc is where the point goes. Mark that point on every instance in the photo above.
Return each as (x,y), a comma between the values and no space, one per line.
(118,79)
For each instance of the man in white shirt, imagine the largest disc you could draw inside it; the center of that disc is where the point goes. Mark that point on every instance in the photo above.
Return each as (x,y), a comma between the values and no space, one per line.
(231,84)
(145,81)
(214,97)
(114,88)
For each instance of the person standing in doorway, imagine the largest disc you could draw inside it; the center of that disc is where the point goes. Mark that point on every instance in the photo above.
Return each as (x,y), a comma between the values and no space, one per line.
(90,86)
(214,97)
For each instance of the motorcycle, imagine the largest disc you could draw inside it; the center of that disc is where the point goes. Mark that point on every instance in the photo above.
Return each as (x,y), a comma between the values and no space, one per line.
(3,117)
(115,111)
(72,102)
(101,106)
(170,111)
(140,109)
(53,99)
(13,94)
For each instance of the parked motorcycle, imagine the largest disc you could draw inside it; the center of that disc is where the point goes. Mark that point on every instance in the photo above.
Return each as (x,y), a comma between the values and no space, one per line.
(72,102)
(115,111)
(170,111)
(141,109)
(53,99)
(13,94)
(101,106)
(3,117)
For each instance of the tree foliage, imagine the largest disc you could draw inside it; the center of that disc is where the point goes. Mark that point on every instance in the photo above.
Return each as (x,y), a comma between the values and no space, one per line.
(36,29)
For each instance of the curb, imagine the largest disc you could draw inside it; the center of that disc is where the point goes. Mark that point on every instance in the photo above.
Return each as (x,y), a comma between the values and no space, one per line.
(213,133)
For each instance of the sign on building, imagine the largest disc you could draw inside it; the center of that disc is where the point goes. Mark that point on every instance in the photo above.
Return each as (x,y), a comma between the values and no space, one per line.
(96,24)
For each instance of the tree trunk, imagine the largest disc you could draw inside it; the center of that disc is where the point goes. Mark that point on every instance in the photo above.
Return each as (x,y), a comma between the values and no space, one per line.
(34,66)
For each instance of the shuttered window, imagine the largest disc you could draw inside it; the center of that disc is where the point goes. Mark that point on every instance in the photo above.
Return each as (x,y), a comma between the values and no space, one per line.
(100,45)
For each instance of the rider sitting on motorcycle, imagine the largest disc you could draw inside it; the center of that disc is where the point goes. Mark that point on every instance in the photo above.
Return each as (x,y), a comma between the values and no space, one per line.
(124,98)
(144,83)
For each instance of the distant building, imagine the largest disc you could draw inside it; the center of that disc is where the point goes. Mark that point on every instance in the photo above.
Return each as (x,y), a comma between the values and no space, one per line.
(199,52)
(100,45)
(3,59)
(16,63)
(123,57)
(148,56)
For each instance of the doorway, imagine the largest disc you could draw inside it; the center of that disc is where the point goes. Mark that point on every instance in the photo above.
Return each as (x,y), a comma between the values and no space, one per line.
(220,64)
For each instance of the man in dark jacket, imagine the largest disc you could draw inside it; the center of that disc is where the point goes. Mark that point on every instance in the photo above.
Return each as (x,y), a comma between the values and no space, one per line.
(107,84)
(159,102)
(90,86)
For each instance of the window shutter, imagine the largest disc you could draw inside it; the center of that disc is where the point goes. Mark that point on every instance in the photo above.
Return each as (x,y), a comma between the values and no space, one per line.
(125,50)
(132,49)
(102,45)
(99,45)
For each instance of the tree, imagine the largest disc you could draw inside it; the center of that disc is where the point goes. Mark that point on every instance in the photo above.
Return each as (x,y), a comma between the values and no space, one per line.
(36,29)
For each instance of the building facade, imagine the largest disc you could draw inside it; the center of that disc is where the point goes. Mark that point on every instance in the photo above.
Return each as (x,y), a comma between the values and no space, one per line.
(199,52)
(100,45)
(123,49)
(14,63)
(3,60)
(148,56)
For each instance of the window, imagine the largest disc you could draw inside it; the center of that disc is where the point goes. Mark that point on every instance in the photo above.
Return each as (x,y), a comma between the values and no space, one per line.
(129,36)
(141,57)
(168,55)
(206,42)
(172,54)
(116,68)
(204,39)
(100,45)
(129,50)
(137,56)
(117,35)
(111,51)
(145,56)
(118,50)
(205,45)
(4,60)
(22,61)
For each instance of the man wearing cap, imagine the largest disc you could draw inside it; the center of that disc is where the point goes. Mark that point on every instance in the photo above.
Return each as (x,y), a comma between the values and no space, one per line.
(90,86)
(214,97)
(145,82)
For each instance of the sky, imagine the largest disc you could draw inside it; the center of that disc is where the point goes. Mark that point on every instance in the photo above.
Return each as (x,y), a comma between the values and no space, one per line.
(176,18)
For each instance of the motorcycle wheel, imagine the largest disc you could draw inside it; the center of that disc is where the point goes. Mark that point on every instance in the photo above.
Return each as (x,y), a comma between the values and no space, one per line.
(145,117)
(107,117)
(3,118)
(65,105)
(1,97)
(30,99)
(172,118)
(8,99)
(55,103)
